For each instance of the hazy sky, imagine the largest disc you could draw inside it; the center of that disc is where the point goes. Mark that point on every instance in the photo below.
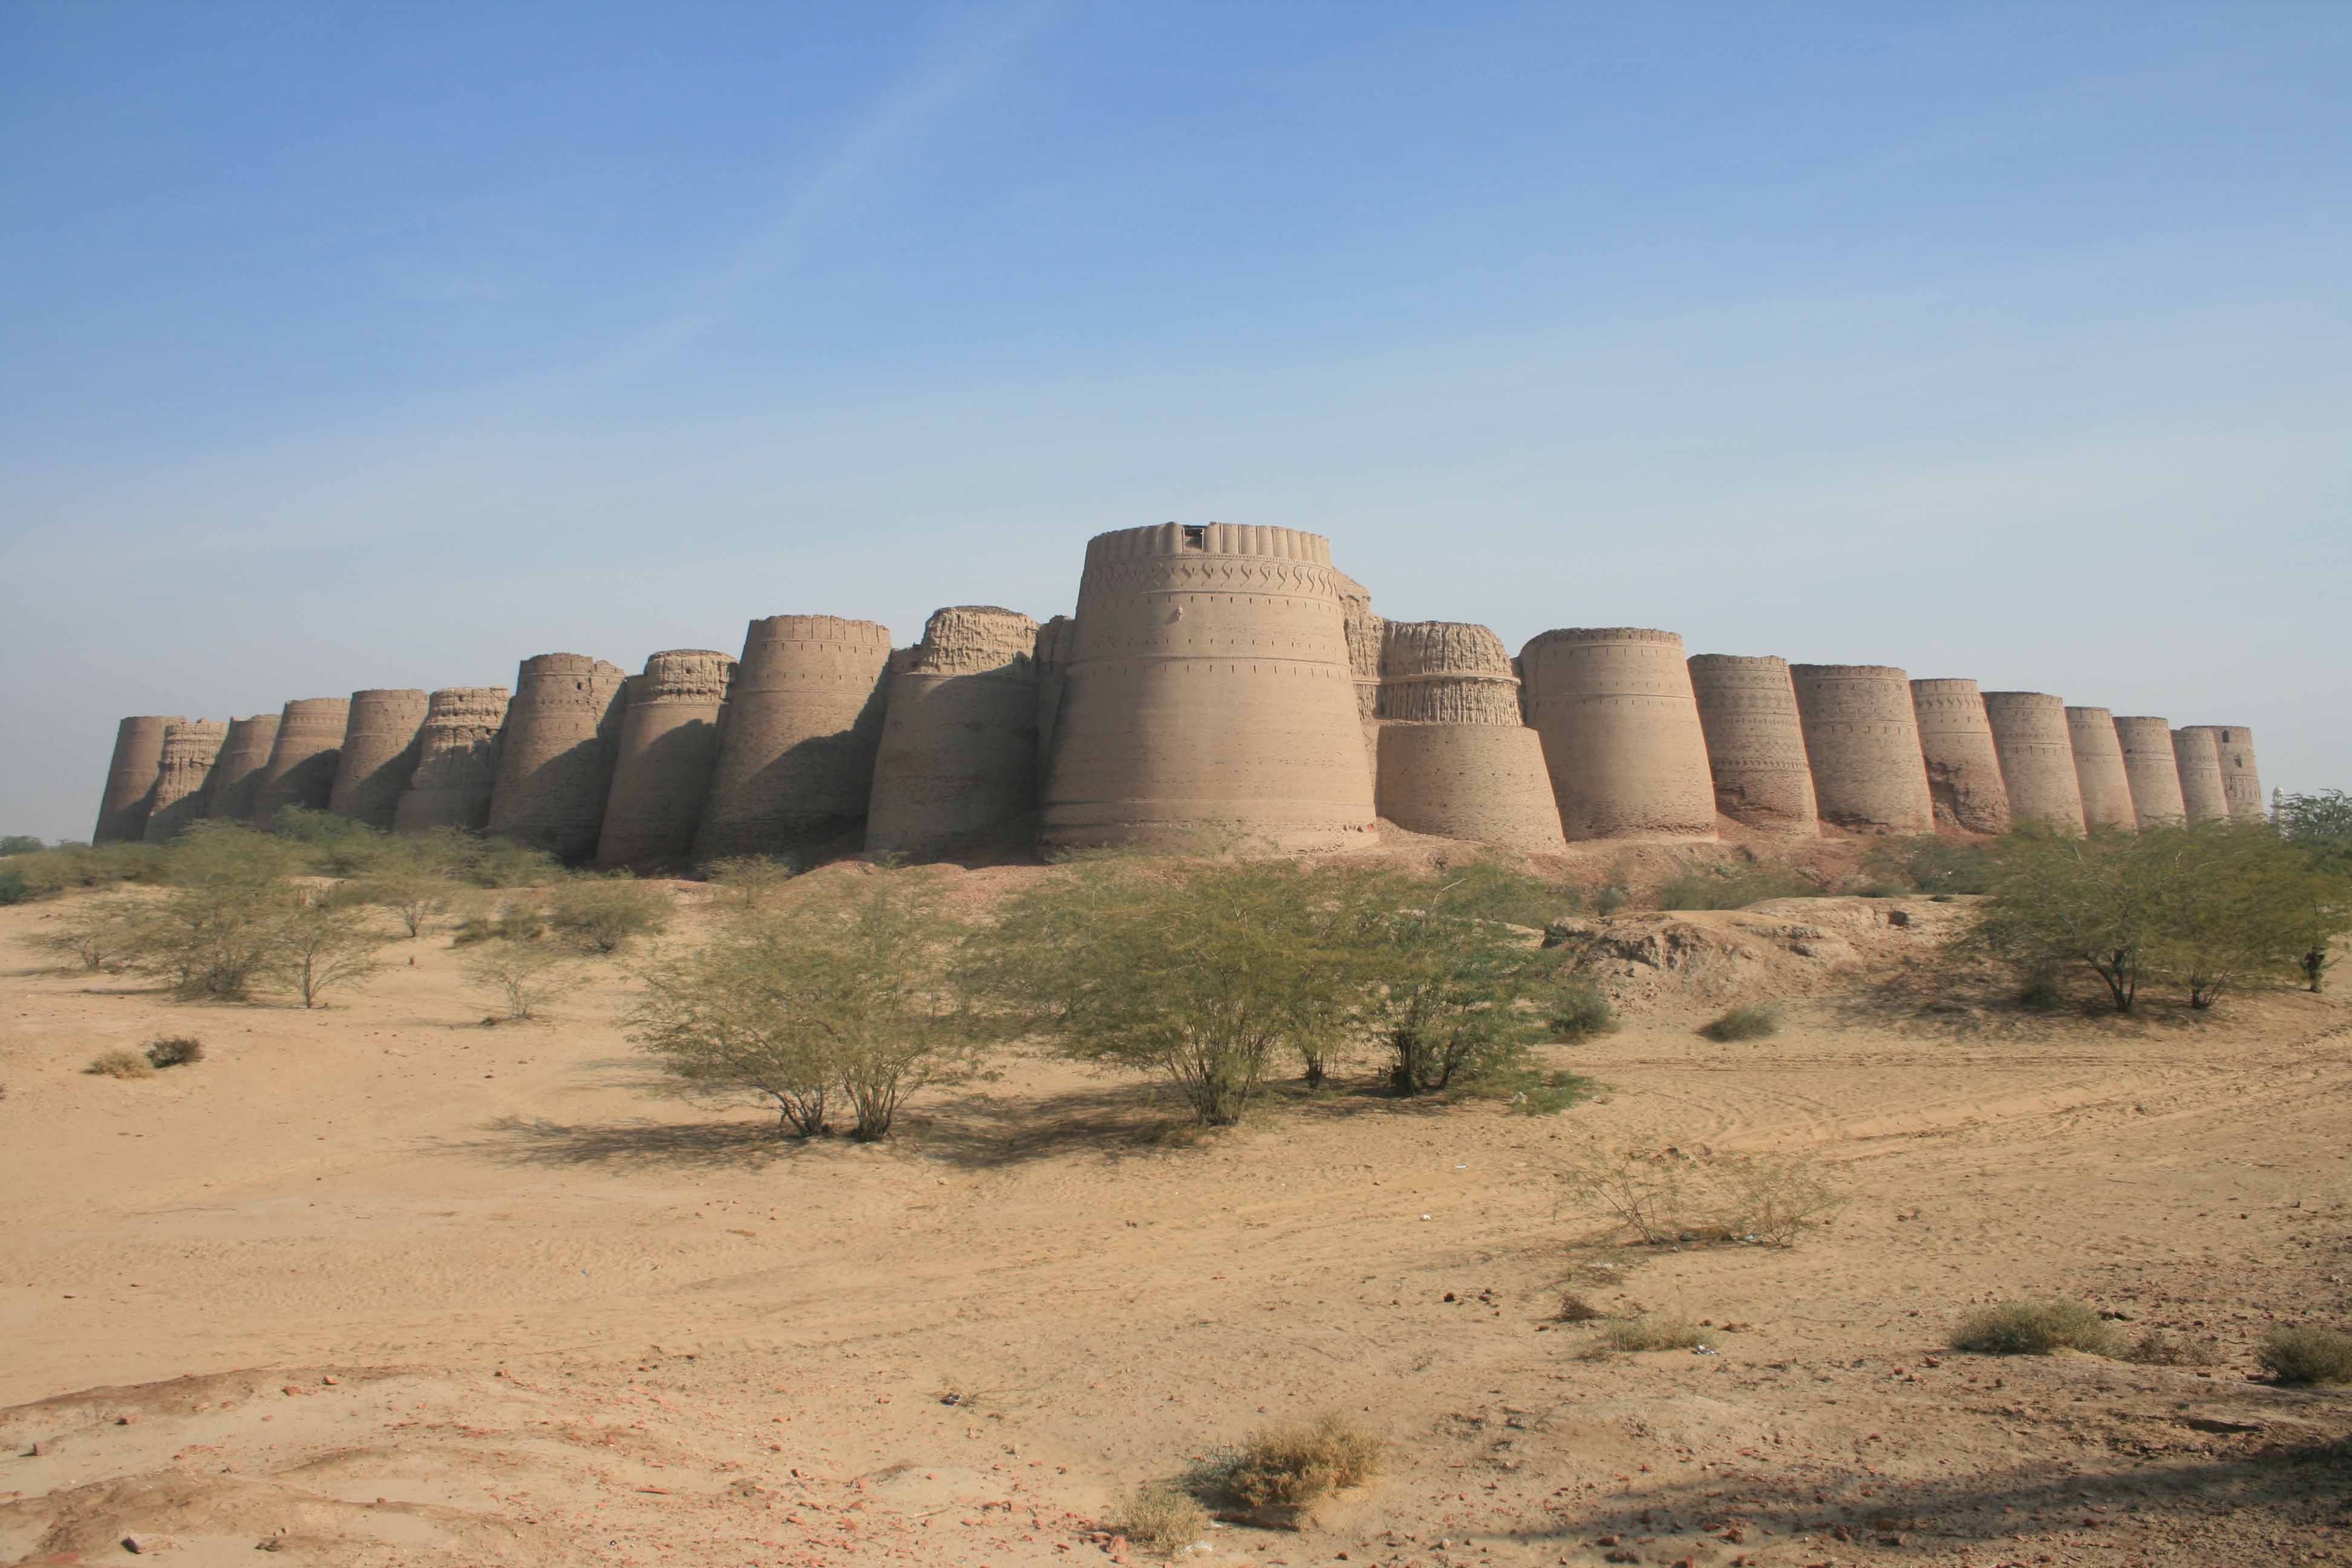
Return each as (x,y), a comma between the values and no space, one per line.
(351,346)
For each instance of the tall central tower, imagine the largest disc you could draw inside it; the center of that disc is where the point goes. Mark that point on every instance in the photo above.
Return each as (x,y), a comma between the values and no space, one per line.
(1210,700)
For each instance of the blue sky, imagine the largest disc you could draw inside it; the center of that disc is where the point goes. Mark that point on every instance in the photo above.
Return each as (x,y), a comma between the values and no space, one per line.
(386,345)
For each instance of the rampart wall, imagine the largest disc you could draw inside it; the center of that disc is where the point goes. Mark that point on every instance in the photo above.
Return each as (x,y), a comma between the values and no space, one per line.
(1755,741)
(2099,769)
(2202,794)
(2037,757)
(457,760)
(236,772)
(797,737)
(182,770)
(379,754)
(130,773)
(661,770)
(2151,770)
(956,769)
(555,757)
(1622,738)
(1861,736)
(1963,765)
(303,757)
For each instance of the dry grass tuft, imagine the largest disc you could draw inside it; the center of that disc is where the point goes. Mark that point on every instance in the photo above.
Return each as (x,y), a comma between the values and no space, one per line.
(1753,1021)
(2307,1355)
(1651,1331)
(1575,1309)
(120,1064)
(2036,1328)
(174,1051)
(1296,1467)
(2155,1348)
(1161,1518)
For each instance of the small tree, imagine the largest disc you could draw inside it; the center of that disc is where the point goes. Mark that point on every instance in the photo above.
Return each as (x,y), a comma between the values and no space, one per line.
(2240,904)
(1198,971)
(213,933)
(317,944)
(2059,900)
(524,977)
(603,913)
(749,881)
(99,934)
(2319,824)
(19,844)
(844,990)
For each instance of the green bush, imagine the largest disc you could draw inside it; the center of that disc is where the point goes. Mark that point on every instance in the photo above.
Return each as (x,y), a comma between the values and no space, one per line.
(14,888)
(515,919)
(606,913)
(1752,1021)
(1582,1011)
(19,844)
(2024,1328)
(749,880)
(174,1051)
(2307,1355)
(1929,863)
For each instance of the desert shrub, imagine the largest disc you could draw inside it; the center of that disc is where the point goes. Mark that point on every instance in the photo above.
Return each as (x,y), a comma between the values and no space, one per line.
(1647,1194)
(407,883)
(1162,1519)
(1581,1011)
(1575,1309)
(1537,1093)
(317,944)
(1488,889)
(1929,863)
(1672,1197)
(523,976)
(14,888)
(335,845)
(1651,1332)
(2307,1355)
(845,991)
(2237,904)
(2039,992)
(19,844)
(2155,1348)
(44,873)
(174,1051)
(503,863)
(2320,825)
(605,913)
(749,880)
(1201,971)
(2035,1328)
(1768,1198)
(1749,1021)
(1612,898)
(213,933)
(1296,1466)
(515,919)
(1733,888)
(95,935)
(120,1064)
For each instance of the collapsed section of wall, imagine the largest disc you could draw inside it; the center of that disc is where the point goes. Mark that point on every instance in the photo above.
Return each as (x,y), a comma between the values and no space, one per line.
(2099,769)
(1455,757)
(796,744)
(457,760)
(1622,738)
(2241,784)
(1212,698)
(1861,736)
(379,755)
(957,766)
(661,773)
(1755,743)
(303,757)
(2151,770)
(185,769)
(2037,757)
(2202,795)
(1963,765)
(124,804)
(555,759)
(236,772)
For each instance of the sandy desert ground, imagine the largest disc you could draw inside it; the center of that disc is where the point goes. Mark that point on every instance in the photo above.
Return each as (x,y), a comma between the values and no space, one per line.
(377,1285)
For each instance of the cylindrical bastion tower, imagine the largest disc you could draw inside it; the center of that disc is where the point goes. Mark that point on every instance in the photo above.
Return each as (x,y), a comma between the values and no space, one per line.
(957,766)
(1861,736)
(380,747)
(797,743)
(1057,643)
(2241,784)
(2037,757)
(1455,758)
(1367,639)
(1622,738)
(303,757)
(1212,697)
(1963,765)
(130,775)
(555,760)
(236,772)
(2202,795)
(190,749)
(1754,744)
(2151,770)
(457,760)
(2099,769)
(669,739)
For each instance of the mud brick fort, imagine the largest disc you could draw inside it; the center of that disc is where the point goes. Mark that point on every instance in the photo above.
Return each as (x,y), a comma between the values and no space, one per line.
(1219,685)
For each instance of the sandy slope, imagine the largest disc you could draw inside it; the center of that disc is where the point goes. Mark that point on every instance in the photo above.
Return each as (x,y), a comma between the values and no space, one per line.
(379,1284)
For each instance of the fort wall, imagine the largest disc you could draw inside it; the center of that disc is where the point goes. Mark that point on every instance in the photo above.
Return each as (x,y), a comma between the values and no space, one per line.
(555,758)
(661,769)
(379,754)
(2099,769)
(1622,738)
(236,772)
(2202,794)
(2037,757)
(2241,783)
(131,775)
(1057,643)
(956,768)
(1451,755)
(1963,765)
(457,760)
(1755,741)
(2151,770)
(1212,698)
(797,739)
(303,757)
(1861,736)
(182,770)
